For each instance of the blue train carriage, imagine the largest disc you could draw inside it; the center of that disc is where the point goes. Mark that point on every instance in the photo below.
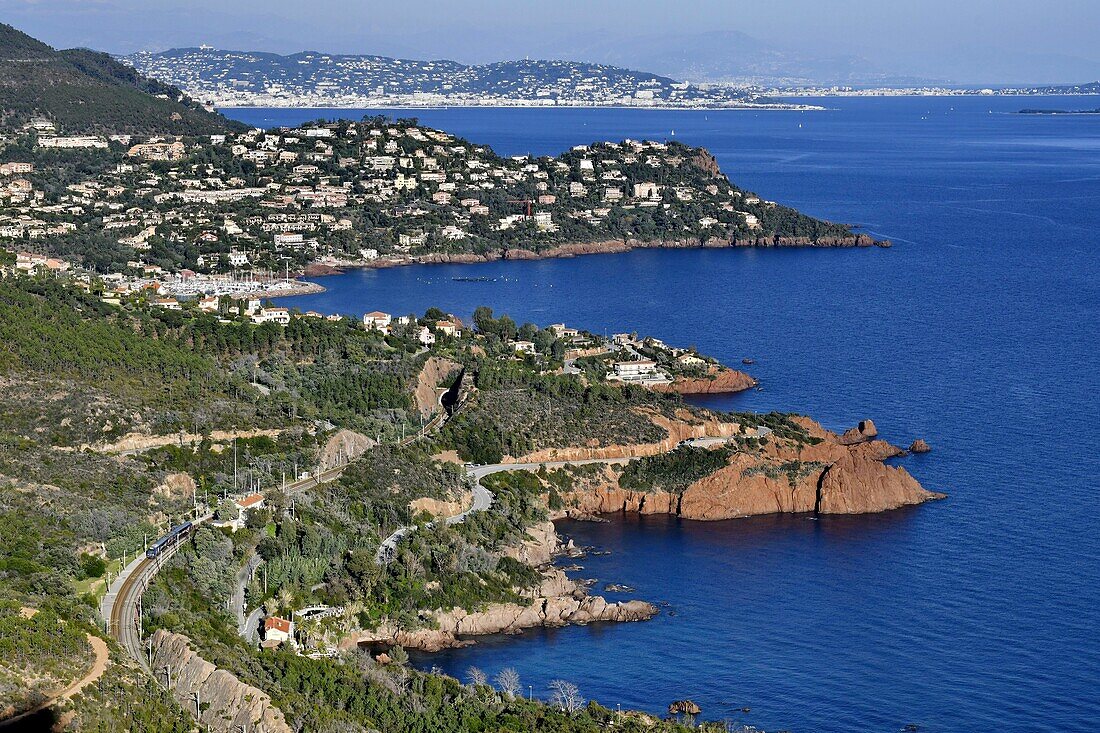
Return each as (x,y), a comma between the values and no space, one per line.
(176,532)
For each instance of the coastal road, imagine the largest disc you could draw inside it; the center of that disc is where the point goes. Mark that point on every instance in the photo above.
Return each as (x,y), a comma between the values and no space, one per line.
(251,629)
(482,499)
(760,432)
(244,575)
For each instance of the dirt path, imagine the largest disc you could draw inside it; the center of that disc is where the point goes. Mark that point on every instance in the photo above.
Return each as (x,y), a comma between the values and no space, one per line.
(99,666)
(140,442)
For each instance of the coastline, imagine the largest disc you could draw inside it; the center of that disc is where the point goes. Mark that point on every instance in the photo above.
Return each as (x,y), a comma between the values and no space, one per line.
(384,104)
(333,266)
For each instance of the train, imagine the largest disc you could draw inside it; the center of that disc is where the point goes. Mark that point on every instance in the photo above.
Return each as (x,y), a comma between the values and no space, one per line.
(173,534)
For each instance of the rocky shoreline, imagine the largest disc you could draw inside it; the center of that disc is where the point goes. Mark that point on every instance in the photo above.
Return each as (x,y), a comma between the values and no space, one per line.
(719,380)
(832,474)
(557,601)
(577,249)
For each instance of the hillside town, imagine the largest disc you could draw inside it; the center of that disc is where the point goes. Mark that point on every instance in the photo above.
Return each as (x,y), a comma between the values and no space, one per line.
(311,79)
(242,213)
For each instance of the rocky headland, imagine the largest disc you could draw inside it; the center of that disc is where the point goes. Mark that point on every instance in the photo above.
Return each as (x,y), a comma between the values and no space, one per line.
(816,471)
(830,474)
(578,249)
(718,380)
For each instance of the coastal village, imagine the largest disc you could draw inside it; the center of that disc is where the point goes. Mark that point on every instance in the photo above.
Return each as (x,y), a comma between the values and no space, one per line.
(623,358)
(232,214)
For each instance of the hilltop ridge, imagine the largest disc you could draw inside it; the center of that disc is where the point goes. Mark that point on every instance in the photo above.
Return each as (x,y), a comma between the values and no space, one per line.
(84,91)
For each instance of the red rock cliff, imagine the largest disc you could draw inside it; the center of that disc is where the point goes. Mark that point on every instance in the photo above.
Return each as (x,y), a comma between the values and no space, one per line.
(784,477)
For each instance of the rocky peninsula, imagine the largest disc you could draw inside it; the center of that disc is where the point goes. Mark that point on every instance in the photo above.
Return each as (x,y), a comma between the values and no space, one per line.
(833,475)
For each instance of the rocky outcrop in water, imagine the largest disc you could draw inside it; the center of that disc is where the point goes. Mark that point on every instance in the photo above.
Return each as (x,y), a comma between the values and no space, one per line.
(718,381)
(919,446)
(684,707)
(226,703)
(861,433)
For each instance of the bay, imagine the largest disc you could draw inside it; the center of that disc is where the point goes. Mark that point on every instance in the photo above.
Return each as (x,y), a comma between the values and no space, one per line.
(977,331)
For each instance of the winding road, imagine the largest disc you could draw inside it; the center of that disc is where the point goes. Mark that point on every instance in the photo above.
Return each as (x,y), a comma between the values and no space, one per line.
(483,498)
(121,606)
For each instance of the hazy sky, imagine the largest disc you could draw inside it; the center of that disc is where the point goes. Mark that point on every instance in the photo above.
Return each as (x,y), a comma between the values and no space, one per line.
(965,39)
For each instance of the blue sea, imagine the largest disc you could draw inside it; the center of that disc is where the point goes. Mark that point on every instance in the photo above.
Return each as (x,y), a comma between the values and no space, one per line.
(979,331)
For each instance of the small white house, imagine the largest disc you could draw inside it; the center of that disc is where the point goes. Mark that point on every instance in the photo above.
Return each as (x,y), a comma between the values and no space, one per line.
(448,328)
(277,630)
(272,315)
(377,320)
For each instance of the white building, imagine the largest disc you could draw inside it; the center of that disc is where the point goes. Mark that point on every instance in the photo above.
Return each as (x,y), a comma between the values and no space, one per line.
(77,141)
(277,630)
(272,315)
(289,240)
(377,320)
(635,369)
(448,328)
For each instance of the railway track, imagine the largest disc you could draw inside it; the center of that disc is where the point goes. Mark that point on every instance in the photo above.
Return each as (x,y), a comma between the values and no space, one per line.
(121,606)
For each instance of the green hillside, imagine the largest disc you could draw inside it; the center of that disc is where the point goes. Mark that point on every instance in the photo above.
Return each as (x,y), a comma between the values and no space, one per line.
(84,91)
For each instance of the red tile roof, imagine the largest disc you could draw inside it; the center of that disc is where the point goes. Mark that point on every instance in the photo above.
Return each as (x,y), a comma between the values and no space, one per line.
(250,501)
(279,624)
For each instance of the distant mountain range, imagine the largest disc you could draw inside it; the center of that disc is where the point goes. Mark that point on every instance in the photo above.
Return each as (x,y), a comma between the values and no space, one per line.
(740,58)
(83,91)
(1090,88)
(732,57)
(230,78)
